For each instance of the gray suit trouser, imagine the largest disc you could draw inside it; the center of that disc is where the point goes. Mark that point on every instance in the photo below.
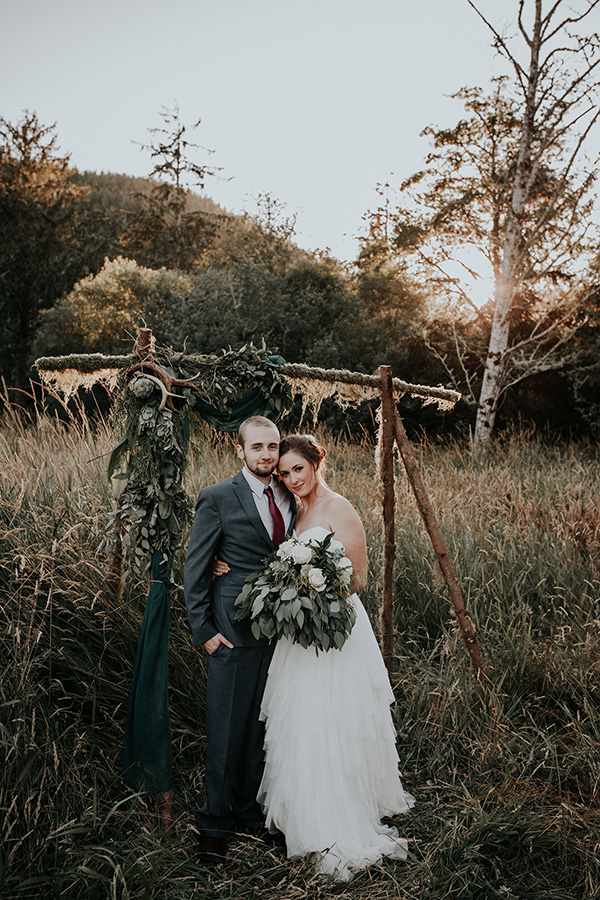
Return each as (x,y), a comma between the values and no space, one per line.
(235,738)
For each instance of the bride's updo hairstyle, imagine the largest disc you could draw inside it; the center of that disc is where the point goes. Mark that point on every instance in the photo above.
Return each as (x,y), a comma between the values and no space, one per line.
(307,446)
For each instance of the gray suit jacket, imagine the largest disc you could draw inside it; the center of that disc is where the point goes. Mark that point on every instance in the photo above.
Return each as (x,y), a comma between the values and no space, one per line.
(227,525)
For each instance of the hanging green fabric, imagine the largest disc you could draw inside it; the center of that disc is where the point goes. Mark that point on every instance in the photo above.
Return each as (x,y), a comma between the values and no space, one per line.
(147,745)
(251,403)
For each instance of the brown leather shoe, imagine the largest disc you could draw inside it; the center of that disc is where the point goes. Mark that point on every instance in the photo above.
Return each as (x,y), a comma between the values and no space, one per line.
(211,850)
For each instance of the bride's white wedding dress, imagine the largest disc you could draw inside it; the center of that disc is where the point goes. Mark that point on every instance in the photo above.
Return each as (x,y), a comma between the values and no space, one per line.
(331,766)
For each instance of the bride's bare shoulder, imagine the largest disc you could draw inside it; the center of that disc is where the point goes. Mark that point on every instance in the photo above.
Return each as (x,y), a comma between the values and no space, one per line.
(337,505)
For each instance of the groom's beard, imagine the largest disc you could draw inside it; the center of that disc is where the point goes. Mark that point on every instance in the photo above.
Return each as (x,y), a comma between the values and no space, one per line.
(261,471)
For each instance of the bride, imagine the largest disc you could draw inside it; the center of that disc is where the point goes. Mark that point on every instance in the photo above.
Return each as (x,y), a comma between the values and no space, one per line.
(331,766)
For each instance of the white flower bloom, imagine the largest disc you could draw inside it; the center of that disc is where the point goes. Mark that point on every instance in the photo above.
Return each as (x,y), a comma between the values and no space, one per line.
(285,550)
(344,563)
(301,553)
(346,577)
(336,545)
(316,579)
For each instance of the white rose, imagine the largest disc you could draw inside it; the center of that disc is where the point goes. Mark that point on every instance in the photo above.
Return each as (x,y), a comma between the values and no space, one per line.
(285,550)
(344,563)
(316,579)
(336,545)
(301,553)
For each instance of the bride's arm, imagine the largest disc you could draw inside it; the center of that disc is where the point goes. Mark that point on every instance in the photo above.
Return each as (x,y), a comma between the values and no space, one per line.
(348,528)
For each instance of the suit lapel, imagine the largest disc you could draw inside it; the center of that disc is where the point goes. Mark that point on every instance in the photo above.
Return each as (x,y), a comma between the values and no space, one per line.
(243,493)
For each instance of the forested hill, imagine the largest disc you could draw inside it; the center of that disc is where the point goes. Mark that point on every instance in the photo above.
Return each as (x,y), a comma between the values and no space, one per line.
(111,190)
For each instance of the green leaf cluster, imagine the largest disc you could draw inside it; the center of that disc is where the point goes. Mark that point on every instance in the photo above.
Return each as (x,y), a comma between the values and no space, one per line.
(221,380)
(148,466)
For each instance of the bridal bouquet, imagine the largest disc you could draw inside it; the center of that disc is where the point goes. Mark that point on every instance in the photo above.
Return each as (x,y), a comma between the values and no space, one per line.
(303,594)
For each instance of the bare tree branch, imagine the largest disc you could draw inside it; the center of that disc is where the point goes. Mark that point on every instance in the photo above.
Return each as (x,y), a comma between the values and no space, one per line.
(556,112)
(538,337)
(501,42)
(457,286)
(560,186)
(570,20)
(521,26)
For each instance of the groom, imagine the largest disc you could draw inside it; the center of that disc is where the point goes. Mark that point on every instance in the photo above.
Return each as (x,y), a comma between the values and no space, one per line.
(240,520)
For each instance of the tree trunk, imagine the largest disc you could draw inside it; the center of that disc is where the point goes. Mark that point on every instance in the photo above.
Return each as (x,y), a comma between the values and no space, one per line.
(507,280)
(491,387)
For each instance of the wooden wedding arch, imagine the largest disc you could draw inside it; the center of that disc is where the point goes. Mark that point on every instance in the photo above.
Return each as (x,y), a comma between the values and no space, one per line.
(69,373)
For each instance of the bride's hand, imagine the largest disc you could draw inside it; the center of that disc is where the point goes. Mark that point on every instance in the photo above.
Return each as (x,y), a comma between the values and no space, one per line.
(220,568)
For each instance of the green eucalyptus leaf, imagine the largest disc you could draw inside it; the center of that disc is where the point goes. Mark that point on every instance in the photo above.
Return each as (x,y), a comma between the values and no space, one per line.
(257,607)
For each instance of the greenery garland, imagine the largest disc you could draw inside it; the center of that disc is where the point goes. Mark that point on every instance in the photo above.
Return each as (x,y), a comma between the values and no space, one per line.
(146,471)
(222,380)
(146,467)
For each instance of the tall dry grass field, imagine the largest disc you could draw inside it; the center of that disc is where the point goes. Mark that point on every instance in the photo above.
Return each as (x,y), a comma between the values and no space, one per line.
(506,774)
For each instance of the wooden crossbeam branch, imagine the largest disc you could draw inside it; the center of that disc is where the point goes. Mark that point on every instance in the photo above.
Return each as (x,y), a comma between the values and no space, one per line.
(67,373)
(83,362)
(294,371)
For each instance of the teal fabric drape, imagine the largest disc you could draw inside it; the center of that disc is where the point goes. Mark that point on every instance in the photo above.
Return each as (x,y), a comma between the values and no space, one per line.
(147,744)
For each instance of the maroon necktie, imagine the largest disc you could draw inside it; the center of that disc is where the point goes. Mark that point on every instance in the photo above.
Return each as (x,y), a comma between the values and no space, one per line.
(278,526)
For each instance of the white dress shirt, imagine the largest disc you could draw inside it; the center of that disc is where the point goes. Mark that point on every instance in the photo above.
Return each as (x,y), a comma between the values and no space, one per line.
(282,500)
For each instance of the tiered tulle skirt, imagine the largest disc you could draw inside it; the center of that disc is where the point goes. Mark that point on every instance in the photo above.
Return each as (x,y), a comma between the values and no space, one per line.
(331,768)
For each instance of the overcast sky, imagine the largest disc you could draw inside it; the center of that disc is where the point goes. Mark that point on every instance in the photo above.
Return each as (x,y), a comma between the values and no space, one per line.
(311,101)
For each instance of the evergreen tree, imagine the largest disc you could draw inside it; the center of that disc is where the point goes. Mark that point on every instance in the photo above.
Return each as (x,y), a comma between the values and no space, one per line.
(168,231)
(40,251)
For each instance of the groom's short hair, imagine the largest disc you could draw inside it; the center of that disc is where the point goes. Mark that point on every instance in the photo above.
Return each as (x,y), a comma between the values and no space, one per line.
(254,420)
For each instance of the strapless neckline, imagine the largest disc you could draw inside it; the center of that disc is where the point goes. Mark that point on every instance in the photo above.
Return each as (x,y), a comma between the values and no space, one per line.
(320,528)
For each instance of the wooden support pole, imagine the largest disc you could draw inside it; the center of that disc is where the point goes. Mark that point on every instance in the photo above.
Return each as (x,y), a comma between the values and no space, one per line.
(388,411)
(143,345)
(165,811)
(115,568)
(433,529)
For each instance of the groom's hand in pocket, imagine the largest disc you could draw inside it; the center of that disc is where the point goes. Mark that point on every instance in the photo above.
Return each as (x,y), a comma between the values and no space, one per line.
(211,645)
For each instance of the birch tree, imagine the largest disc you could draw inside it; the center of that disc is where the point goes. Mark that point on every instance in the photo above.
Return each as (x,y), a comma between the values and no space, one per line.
(505,199)
(557,76)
